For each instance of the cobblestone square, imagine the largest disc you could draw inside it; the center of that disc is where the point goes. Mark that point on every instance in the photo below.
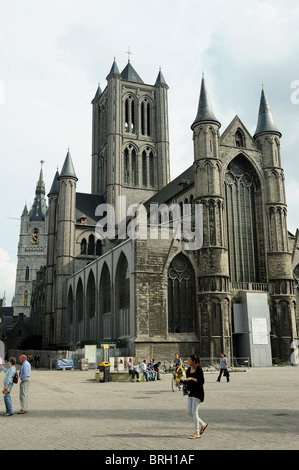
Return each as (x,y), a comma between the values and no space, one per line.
(69,410)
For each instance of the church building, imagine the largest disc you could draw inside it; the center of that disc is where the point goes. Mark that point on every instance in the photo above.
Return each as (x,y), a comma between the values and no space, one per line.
(142,285)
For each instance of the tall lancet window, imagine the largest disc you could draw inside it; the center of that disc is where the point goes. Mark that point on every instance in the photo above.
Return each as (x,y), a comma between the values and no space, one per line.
(129,114)
(244,221)
(126,166)
(181,296)
(145,117)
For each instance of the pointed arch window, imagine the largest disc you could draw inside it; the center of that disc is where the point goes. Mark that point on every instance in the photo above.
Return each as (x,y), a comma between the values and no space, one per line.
(145,117)
(79,301)
(130,165)
(244,221)
(91,296)
(91,244)
(129,114)
(105,302)
(70,305)
(98,248)
(83,246)
(239,139)
(144,169)
(148,168)
(122,323)
(151,169)
(126,166)
(181,296)
(133,167)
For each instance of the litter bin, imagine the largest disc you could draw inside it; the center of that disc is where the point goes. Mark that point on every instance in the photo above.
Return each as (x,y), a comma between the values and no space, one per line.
(104,368)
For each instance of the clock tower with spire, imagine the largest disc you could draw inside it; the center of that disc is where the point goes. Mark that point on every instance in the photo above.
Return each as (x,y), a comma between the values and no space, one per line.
(32,248)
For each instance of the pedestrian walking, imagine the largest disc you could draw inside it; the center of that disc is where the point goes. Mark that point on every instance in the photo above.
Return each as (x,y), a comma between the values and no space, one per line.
(25,374)
(223,368)
(195,391)
(36,360)
(8,384)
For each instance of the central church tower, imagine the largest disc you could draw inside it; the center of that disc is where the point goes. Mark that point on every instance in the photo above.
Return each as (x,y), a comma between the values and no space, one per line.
(130,142)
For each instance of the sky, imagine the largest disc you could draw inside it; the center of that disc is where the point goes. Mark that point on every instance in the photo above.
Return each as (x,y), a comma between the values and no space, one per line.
(54,53)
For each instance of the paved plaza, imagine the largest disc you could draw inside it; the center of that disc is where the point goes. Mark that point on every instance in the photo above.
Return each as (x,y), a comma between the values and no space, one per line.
(69,410)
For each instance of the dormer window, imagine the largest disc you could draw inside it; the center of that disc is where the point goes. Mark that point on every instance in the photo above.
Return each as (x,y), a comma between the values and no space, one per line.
(239,139)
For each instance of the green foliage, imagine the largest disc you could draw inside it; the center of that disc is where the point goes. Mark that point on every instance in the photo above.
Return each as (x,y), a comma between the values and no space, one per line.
(277,362)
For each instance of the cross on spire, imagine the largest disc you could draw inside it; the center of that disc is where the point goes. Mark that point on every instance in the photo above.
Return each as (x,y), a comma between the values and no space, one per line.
(129,53)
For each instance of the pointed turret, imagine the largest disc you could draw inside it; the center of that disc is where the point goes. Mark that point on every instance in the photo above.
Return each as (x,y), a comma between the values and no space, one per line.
(97,95)
(55,185)
(114,69)
(204,111)
(39,207)
(160,79)
(68,167)
(25,211)
(265,119)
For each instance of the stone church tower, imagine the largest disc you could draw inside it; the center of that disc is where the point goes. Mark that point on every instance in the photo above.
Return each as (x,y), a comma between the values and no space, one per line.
(213,276)
(61,251)
(279,256)
(130,142)
(32,248)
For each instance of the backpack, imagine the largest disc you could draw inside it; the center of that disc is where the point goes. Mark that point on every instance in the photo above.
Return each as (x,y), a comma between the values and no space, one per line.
(15,378)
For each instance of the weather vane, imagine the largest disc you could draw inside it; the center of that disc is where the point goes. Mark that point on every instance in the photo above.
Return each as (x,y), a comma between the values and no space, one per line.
(42,162)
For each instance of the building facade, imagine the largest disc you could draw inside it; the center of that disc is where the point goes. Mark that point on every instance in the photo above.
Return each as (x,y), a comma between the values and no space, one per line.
(145,287)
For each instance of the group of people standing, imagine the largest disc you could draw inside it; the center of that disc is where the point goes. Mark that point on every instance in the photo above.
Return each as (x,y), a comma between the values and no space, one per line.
(10,379)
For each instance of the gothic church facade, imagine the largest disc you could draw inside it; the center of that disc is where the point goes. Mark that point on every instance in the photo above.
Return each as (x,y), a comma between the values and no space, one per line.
(155,297)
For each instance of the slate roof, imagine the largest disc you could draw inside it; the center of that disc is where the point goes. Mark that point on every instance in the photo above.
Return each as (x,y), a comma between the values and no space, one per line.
(130,74)
(55,185)
(204,111)
(68,167)
(172,189)
(86,205)
(265,119)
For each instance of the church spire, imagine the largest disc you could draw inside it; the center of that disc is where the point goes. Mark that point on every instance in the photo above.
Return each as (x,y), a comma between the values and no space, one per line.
(39,207)
(265,121)
(204,111)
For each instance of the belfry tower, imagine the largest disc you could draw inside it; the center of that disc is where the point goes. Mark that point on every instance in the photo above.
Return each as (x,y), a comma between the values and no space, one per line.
(32,248)
(130,143)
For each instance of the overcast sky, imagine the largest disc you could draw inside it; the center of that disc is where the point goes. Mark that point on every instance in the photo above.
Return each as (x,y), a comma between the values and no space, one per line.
(54,53)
